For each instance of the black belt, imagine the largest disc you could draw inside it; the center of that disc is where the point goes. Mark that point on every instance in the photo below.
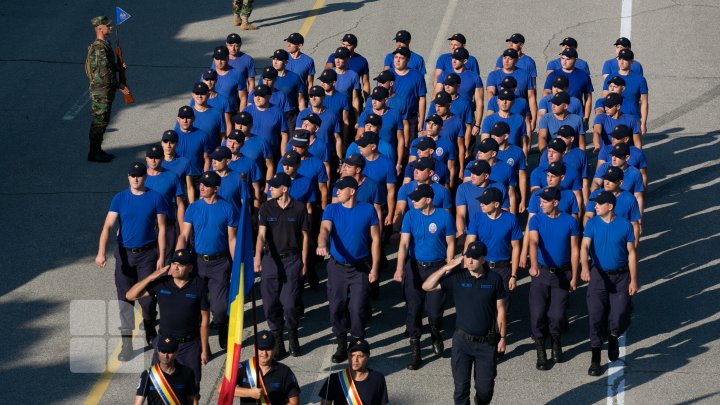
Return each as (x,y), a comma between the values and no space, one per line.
(184,339)
(619,270)
(489,338)
(563,268)
(430,264)
(286,254)
(348,265)
(503,263)
(141,249)
(209,258)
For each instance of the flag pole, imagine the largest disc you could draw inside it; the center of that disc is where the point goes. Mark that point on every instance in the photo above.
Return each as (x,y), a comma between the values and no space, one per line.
(255,337)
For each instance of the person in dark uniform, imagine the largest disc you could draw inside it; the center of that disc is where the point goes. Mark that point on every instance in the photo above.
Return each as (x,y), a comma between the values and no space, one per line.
(183,301)
(352,230)
(554,254)
(609,239)
(264,379)
(281,255)
(480,304)
(140,249)
(356,382)
(427,242)
(178,378)
(213,223)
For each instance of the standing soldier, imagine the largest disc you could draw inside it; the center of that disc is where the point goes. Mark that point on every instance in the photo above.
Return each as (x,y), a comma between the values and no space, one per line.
(241,12)
(554,255)
(139,251)
(102,72)
(427,241)
(281,255)
(352,230)
(613,277)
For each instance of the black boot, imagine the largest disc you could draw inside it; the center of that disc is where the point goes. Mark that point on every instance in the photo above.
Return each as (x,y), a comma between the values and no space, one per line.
(437,340)
(150,332)
(279,351)
(541,355)
(293,344)
(415,356)
(613,348)
(95,155)
(557,353)
(595,369)
(126,352)
(222,329)
(341,352)
(107,155)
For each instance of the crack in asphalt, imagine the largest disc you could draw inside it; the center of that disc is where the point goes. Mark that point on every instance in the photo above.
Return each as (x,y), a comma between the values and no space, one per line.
(357,24)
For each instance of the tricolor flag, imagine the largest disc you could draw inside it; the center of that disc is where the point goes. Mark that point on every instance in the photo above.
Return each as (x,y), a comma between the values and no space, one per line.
(241,281)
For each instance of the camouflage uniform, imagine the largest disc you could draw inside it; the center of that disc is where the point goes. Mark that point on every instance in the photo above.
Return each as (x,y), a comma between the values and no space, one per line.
(242,8)
(102,72)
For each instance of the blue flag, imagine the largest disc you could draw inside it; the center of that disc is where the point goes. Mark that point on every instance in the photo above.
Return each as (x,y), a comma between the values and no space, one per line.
(121,16)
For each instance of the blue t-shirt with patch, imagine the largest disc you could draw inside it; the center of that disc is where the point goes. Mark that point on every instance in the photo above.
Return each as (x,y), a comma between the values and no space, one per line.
(428,233)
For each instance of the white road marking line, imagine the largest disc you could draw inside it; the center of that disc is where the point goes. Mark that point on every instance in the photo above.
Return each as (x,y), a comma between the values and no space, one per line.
(626,18)
(441,37)
(701,146)
(76,107)
(705,211)
(659,206)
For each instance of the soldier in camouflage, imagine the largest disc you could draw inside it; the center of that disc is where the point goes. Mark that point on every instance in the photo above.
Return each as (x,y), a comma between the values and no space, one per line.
(241,11)
(102,72)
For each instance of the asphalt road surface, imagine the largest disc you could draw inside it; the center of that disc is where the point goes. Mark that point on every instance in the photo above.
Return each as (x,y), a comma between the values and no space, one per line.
(55,304)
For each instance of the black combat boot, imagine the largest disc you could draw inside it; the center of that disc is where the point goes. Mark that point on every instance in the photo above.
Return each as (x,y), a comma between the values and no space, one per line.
(126,352)
(341,352)
(222,329)
(437,340)
(541,355)
(415,356)
(557,352)
(293,343)
(613,348)
(96,154)
(279,351)
(150,332)
(595,369)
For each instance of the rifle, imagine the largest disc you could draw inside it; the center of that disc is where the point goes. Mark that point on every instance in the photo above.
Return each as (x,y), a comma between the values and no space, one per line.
(128,98)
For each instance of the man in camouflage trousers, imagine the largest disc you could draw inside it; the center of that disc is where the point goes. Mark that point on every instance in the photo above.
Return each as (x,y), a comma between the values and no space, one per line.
(242,10)
(102,72)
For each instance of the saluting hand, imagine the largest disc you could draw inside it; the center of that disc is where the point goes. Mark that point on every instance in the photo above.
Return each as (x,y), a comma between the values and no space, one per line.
(456,260)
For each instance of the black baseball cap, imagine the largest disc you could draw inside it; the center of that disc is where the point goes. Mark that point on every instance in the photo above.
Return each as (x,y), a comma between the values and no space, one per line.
(290,158)
(425,143)
(210,179)
(488,145)
(435,119)
(243,118)
(460,54)
(265,341)
(556,168)
(154,151)
(169,135)
(604,197)
(491,195)
(167,344)
(350,39)
(458,37)
(614,174)
(624,42)
(347,181)
(570,53)
(368,138)
(358,345)
(452,79)
(209,75)
(561,82)
(422,191)
(281,54)
(516,38)
(200,88)
(424,163)
(560,97)
(505,94)
(566,131)
(385,76)
(509,83)
(374,120)
(480,166)
(280,179)
(621,131)
(355,160)
(221,53)
(295,38)
(511,53)
(402,51)
(316,91)
(476,250)
(220,153)
(341,53)
(612,99)
(626,54)
(137,169)
(557,145)
(237,135)
(442,98)
(269,72)
(500,128)
(182,256)
(313,119)
(402,36)
(328,76)
(620,150)
(569,41)
(186,112)
(550,194)
(299,141)
(233,39)
(617,80)
(262,90)
(380,93)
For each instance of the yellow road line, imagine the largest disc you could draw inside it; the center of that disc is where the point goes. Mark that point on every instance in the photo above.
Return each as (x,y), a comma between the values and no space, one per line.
(311,18)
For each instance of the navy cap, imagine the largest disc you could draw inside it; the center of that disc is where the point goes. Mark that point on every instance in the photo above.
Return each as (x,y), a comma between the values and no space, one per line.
(557,145)
(295,38)
(425,143)
(435,119)
(556,168)
(299,141)
(328,76)
(221,53)
(458,37)
(182,256)
(621,131)
(358,345)
(604,197)
(237,135)
(424,163)
(442,98)
(505,94)
(511,53)
(243,118)
(280,179)
(516,38)
(500,128)
(570,53)
(479,167)
(290,158)
(509,83)
(550,194)
(566,131)
(281,54)
(186,112)
(262,90)
(560,97)
(623,42)
(385,76)
(341,53)
(402,51)
(617,80)
(561,82)
(137,169)
(350,39)
(374,120)
(313,119)
(209,75)
(170,135)
(380,93)
(491,195)
(210,179)
(233,39)
(355,160)
(316,91)
(612,99)
(368,138)
(302,133)
(167,344)
(269,72)
(220,153)
(345,182)
(620,150)
(460,54)
(154,152)
(452,79)
(626,54)
(265,340)
(488,145)
(476,250)
(614,174)
(422,191)
(200,88)
(569,41)
(402,36)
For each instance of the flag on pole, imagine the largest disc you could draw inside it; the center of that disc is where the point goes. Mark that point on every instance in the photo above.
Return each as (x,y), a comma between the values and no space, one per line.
(242,279)
(121,16)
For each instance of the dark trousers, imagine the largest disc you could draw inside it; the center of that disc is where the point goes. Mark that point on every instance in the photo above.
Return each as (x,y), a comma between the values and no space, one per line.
(290,119)
(347,289)
(418,300)
(188,355)
(608,302)
(216,274)
(129,269)
(549,293)
(504,272)
(465,354)
(171,234)
(413,122)
(280,291)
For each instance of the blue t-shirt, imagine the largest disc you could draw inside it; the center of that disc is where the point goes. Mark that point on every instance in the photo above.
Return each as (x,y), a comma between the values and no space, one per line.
(575,106)
(392,122)
(329,126)
(572,180)
(444,63)
(519,106)
(551,123)
(277,99)
(303,66)
(461,108)
(248,167)
(567,204)
(441,173)
(268,124)
(635,86)
(442,197)
(337,103)
(301,189)
(626,205)
(610,67)
(452,129)
(355,62)
(179,166)
(382,170)
(575,160)
(368,192)
(632,179)
(137,216)
(243,63)
(291,85)
(580,82)
(428,233)
(410,87)
(445,149)
(524,81)
(518,129)
(469,81)
(383,148)
(350,235)
(514,157)
(500,172)
(257,149)
(496,234)
(416,62)
(312,168)
(346,83)
(554,238)
(234,191)
(579,64)
(212,121)
(220,102)
(608,124)
(229,84)
(192,145)
(168,184)
(637,156)
(210,225)
(467,194)
(524,62)
(609,241)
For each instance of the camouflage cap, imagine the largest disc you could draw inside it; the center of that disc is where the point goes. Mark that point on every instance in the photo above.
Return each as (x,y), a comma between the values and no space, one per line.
(100,20)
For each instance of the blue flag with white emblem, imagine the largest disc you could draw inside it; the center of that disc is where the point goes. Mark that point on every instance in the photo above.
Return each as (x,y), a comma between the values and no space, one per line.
(121,16)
